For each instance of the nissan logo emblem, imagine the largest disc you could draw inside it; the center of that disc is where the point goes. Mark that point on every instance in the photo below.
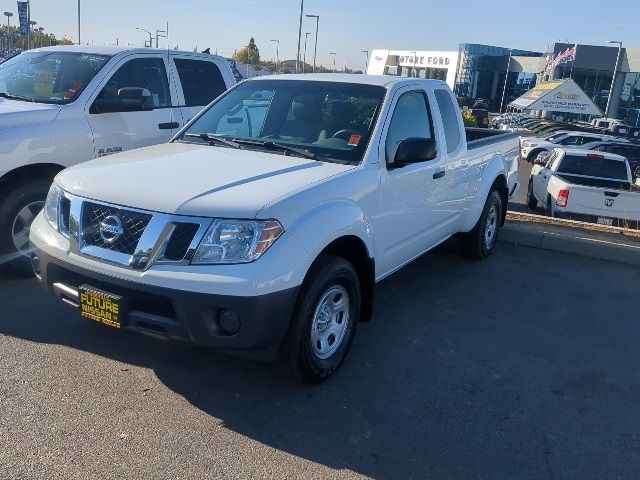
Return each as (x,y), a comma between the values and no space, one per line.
(609,202)
(111,228)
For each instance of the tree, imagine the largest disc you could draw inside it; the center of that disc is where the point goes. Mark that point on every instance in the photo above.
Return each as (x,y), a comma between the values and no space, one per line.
(249,54)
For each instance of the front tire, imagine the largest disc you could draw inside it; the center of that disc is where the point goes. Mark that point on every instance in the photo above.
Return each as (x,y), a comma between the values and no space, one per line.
(480,242)
(324,321)
(532,203)
(17,211)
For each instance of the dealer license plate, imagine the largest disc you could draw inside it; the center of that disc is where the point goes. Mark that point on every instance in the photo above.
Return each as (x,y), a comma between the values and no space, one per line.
(605,221)
(100,306)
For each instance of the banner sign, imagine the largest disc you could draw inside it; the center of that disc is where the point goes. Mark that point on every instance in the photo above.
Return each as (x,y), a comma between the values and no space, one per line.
(23,16)
(557,96)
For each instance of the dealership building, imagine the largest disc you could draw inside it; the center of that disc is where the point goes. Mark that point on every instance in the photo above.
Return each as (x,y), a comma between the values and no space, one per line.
(479,71)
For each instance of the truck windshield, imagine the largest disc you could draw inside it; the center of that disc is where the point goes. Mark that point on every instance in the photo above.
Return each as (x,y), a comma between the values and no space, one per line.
(48,77)
(319,119)
(594,166)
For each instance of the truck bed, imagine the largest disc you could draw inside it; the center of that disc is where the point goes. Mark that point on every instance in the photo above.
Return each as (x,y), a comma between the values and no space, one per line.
(482,137)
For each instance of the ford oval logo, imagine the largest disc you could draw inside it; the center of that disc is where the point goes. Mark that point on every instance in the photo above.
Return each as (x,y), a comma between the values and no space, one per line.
(111,228)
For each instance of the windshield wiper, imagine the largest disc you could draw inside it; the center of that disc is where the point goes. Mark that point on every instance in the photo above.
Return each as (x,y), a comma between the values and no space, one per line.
(212,139)
(278,146)
(15,97)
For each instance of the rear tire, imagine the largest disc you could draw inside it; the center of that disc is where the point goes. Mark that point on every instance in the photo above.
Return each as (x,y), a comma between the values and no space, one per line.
(532,155)
(532,203)
(324,321)
(480,242)
(17,211)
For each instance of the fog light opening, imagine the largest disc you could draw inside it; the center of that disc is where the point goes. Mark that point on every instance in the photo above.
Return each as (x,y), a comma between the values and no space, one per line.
(35,265)
(229,322)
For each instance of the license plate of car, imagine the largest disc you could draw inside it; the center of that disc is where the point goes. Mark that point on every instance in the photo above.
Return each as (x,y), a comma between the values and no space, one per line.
(605,221)
(100,306)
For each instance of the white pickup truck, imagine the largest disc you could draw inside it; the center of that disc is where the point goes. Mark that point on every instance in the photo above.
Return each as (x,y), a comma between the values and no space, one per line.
(267,221)
(63,105)
(584,185)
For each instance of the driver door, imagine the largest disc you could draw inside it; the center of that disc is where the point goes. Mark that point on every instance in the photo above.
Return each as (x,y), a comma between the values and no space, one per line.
(115,131)
(540,178)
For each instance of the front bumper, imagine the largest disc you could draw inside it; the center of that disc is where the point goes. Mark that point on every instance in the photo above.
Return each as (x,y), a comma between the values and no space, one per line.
(262,321)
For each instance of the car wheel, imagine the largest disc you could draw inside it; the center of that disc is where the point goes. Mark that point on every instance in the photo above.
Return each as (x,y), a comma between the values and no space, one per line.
(17,211)
(480,242)
(324,320)
(532,155)
(548,209)
(532,203)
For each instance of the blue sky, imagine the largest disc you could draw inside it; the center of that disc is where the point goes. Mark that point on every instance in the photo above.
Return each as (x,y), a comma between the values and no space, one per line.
(346,26)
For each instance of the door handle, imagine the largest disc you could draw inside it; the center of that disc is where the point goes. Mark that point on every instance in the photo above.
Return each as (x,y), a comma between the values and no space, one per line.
(439,174)
(168,125)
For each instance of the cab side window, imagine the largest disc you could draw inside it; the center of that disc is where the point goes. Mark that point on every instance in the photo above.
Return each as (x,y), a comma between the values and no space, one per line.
(411,118)
(201,81)
(149,73)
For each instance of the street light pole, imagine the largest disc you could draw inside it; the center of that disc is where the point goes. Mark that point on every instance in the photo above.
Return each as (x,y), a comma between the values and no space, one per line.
(334,61)
(32,24)
(277,42)
(8,15)
(315,49)
(613,80)
(506,78)
(150,36)
(304,59)
(366,60)
(79,43)
(158,32)
(299,35)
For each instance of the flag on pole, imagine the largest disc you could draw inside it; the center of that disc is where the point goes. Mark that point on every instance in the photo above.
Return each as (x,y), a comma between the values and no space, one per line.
(569,55)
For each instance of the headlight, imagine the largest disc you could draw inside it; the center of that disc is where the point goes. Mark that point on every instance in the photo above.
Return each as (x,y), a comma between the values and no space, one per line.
(52,204)
(236,241)
(531,145)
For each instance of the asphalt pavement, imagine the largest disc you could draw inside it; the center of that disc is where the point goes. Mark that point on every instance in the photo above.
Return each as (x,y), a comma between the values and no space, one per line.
(523,366)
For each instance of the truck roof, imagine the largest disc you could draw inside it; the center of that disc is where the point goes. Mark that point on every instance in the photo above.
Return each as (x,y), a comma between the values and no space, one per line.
(583,153)
(381,80)
(112,50)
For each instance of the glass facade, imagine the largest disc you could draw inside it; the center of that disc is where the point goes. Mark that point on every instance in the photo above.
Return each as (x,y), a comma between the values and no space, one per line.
(629,109)
(481,73)
(595,83)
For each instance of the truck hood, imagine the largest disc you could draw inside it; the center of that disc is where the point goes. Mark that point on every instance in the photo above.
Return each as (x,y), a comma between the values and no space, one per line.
(16,113)
(195,180)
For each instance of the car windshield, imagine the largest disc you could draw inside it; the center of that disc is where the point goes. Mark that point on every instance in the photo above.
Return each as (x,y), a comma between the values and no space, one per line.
(328,121)
(48,77)
(556,137)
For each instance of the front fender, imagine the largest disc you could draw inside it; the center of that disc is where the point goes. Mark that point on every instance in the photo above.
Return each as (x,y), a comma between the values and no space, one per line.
(326,222)
(493,172)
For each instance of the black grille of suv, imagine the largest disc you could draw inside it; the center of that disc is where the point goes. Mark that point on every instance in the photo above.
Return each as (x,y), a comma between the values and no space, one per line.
(180,240)
(133,225)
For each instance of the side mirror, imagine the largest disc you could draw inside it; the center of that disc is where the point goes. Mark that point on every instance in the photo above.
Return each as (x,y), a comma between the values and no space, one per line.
(137,98)
(128,99)
(541,160)
(415,150)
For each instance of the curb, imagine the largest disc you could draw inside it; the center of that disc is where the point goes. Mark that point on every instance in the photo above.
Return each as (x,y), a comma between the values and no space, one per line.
(557,238)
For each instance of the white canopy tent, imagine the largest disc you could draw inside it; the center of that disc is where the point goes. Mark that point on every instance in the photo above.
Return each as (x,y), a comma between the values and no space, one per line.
(557,96)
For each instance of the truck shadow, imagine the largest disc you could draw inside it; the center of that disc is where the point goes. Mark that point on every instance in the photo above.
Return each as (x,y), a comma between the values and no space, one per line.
(392,411)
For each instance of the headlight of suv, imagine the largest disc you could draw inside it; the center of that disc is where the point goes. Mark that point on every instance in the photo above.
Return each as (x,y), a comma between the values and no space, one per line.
(236,241)
(52,205)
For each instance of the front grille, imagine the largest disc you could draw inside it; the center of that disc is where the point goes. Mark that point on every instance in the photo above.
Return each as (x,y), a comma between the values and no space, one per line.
(180,240)
(133,225)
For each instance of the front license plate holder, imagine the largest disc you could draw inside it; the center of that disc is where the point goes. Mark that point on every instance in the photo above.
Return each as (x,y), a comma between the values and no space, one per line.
(100,306)
(605,221)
